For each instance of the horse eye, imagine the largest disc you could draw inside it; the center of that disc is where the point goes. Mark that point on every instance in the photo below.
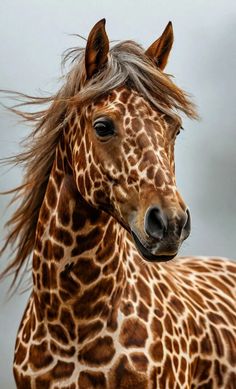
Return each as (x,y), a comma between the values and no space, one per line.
(104,127)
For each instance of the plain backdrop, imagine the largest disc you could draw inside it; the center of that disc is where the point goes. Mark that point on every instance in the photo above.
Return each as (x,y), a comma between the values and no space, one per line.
(34,33)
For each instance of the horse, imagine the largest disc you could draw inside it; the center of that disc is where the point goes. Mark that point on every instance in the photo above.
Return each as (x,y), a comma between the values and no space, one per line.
(112,306)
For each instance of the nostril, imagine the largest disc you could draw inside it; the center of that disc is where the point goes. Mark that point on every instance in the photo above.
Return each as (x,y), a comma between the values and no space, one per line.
(155,223)
(187,225)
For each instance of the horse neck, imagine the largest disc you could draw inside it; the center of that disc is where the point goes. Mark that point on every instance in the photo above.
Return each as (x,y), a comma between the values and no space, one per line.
(78,259)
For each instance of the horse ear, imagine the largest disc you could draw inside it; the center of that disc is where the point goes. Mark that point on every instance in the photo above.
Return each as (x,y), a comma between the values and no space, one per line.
(160,49)
(97,48)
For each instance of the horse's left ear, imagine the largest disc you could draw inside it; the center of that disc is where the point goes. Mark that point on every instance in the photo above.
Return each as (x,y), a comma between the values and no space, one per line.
(97,48)
(160,49)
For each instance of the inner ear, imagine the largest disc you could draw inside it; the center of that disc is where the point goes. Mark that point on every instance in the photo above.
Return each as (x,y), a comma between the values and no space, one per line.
(97,48)
(160,49)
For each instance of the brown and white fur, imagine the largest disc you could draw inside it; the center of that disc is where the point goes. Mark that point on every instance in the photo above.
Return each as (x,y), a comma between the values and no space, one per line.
(107,309)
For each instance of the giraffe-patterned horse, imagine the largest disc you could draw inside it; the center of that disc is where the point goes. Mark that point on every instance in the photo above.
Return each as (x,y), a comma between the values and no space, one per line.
(102,215)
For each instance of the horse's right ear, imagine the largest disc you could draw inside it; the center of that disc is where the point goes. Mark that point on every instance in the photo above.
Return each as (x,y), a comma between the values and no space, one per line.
(159,51)
(97,48)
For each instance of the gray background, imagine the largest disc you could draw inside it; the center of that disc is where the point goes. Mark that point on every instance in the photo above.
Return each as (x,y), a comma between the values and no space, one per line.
(33,36)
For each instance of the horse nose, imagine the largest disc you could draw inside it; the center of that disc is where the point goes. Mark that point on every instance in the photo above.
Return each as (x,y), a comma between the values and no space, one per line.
(155,223)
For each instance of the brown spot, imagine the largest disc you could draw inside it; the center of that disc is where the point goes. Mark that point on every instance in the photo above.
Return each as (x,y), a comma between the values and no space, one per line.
(44,213)
(133,294)
(142,139)
(47,249)
(205,345)
(58,333)
(164,289)
(183,344)
(111,266)
(45,275)
(69,284)
(36,262)
(193,348)
(206,293)
(217,340)
(177,305)
(220,285)
(176,346)
(153,377)
(89,330)
(168,344)
(58,251)
(20,354)
(159,309)
(195,296)
(124,97)
(87,242)
(127,308)
(218,373)
(150,157)
(215,318)
(39,355)
(59,161)
(140,361)
(97,352)
(78,220)
(232,268)
(230,344)
(159,178)
(63,210)
(86,312)
(86,271)
(101,289)
(156,351)
(22,381)
(202,369)
(183,364)
(133,333)
(194,327)
(231,381)
(176,362)
(92,380)
(53,303)
(51,195)
(143,311)
(231,317)
(150,172)
(167,374)
(40,332)
(62,369)
(168,324)
(144,291)
(62,236)
(122,376)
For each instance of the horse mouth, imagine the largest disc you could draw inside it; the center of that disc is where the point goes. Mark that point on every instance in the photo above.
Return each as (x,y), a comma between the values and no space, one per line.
(147,255)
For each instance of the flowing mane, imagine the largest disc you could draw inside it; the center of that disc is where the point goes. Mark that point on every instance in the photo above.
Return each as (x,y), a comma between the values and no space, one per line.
(127,64)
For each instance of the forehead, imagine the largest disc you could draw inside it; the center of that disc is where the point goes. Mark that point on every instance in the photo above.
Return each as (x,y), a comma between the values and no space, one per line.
(124,101)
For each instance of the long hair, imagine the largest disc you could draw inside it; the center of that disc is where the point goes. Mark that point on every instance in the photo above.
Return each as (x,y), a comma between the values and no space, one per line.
(127,64)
